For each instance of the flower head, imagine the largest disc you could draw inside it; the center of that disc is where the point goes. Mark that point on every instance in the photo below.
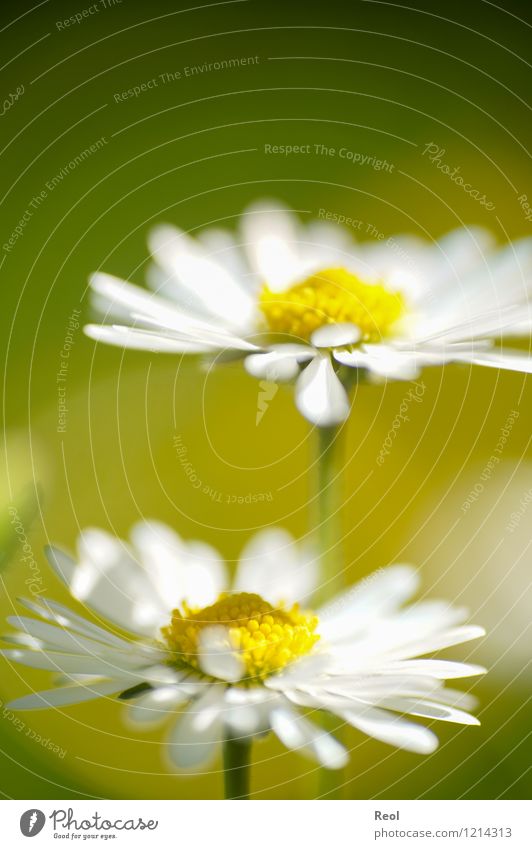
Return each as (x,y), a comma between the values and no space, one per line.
(247,661)
(300,302)
(263,638)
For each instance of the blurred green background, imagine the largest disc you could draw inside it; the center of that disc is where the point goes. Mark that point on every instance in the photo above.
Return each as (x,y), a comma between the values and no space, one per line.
(377,78)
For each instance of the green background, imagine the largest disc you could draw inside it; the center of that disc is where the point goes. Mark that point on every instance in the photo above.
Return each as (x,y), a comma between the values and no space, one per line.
(379,79)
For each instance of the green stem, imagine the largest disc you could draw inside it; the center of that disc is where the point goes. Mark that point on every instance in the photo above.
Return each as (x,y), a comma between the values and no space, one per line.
(236,767)
(328,522)
(329,534)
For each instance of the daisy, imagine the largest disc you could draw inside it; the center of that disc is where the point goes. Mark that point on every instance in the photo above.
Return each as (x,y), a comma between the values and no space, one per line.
(226,661)
(299,302)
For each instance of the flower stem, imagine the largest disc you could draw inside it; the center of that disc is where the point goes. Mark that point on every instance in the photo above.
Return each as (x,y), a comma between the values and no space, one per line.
(236,754)
(329,534)
(328,524)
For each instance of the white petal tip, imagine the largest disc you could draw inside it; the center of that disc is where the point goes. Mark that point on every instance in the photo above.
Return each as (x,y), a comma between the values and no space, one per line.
(333,335)
(340,761)
(428,749)
(473,669)
(320,396)
(93,331)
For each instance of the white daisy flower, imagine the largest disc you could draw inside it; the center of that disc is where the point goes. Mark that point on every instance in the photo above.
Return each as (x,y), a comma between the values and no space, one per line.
(226,665)
(298,302)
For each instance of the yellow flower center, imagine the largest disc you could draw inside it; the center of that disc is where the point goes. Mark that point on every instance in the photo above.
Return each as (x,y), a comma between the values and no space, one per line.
(329,297)
(264,637)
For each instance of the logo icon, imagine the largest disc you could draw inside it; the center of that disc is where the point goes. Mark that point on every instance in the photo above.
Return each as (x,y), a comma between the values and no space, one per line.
(32,822)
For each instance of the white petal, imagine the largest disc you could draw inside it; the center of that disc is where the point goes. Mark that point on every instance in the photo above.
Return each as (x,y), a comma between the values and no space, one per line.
(438,641)
(162,554)
(272,367)
(63,616)
(402,362)
(372,687)
(393,730)
(217,656)
(274,566)
(456,698)
(178,570)
(61,696)
(388,642)
(354,359)
(281,364)
(122,297)
(396,367)
(63,564)
(247,710)
(202,278)
(197,735)
(25,640)
(154,706)
(163,314)
(441,669)
(270,235)
(375,596)
(109,580)
(383,361)
(161,674)
(305,671)
(296,732)
(335,335)
(206,575)
(328,245)
(65,640)
(142,340)
(502,278)
(428,709)
(430,616)
(445,267)
(103,665)
(209,336)
(508,360)
(320,396)
(482,324)
(222,247)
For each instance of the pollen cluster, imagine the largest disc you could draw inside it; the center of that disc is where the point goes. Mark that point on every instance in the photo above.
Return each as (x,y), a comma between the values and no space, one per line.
(329,297)
(265,638)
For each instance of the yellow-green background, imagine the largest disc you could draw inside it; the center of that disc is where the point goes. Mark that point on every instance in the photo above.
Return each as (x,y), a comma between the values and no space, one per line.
(376,77)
